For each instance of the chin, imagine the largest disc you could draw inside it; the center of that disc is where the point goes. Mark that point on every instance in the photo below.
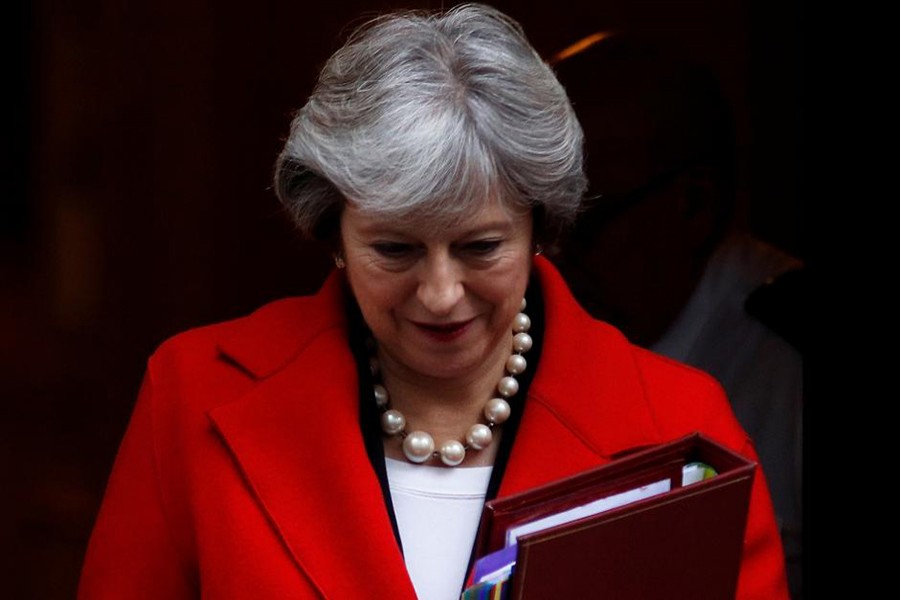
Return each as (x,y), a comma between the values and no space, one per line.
(448,366)
(447,369)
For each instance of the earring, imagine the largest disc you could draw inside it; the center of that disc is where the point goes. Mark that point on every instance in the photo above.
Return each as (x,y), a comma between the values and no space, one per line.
(538,249)
(339,261)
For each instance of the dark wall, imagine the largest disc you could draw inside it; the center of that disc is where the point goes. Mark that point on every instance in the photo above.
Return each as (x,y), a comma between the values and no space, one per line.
(137,154)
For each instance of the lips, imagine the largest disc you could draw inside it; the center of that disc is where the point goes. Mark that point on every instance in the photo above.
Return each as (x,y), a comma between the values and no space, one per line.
(444,332)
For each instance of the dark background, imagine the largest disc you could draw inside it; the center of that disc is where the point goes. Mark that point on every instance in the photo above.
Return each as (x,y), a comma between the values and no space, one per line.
(137,152)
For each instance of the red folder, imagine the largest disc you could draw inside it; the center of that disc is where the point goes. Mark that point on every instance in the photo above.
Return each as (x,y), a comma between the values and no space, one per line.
(684,543)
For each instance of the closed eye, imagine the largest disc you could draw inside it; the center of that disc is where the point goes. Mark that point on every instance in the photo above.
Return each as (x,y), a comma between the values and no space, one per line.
(481,248)
(393,249)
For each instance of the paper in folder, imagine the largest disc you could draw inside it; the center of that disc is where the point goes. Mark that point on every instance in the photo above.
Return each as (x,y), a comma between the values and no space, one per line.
(663,522)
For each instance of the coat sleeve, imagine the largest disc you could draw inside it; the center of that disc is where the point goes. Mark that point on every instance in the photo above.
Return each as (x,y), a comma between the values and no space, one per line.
(133,551)
(762,575)
(685,400)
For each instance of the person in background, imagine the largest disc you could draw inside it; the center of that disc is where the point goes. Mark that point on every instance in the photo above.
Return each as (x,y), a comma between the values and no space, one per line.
(342,445)
(657,252)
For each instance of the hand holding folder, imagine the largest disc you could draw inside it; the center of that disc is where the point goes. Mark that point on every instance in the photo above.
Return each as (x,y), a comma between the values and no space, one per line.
(629,529)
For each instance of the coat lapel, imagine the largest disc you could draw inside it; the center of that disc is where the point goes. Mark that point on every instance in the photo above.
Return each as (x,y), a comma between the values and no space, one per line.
(587,402)
(296,439)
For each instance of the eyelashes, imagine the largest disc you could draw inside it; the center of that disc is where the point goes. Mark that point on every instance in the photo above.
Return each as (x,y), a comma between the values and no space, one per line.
(393,250)
(481,248)
(399,251)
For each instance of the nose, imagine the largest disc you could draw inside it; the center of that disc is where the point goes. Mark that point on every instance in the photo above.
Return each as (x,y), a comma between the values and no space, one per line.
(440,284)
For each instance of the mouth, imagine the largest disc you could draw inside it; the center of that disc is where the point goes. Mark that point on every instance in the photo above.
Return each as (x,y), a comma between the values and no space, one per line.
(444,332)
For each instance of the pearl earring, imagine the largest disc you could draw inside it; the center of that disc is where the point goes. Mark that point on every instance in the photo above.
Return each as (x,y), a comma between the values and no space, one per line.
(339,261)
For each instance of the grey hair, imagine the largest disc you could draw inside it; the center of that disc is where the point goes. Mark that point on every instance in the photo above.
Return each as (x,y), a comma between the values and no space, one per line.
(427,115)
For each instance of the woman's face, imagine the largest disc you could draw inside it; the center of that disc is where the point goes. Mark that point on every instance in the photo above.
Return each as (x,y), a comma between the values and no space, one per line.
(439,305)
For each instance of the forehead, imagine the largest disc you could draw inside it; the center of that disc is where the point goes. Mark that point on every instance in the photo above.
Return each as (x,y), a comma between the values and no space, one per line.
(492,215)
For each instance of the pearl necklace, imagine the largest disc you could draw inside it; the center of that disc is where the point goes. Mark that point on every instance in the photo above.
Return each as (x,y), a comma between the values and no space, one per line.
(419,447)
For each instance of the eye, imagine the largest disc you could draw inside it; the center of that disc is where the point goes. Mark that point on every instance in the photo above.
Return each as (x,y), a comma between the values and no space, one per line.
(481,248)
(393,249)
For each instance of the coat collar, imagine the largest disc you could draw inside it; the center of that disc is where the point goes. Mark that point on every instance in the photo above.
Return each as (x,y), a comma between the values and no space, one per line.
(589,374)
(296,438)
(585,404)
(271,337)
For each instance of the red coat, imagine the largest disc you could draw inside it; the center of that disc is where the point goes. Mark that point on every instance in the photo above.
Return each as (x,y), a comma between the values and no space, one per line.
(243,472)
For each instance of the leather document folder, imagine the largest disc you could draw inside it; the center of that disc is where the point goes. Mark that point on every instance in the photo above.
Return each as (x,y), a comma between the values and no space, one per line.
(683,542)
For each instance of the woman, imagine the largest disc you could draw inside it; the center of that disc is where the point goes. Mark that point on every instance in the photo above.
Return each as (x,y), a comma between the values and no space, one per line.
(342,445)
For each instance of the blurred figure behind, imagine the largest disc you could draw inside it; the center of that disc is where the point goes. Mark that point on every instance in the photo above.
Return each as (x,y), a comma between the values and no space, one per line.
(657,252)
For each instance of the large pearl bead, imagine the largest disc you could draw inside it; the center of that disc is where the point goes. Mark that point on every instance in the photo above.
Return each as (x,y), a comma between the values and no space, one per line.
(418,446)
(479,436)
(381,395)
(516,364)
(522,342)
(508,386)
(521,323)
(496,411)
(452,453)
(392,422)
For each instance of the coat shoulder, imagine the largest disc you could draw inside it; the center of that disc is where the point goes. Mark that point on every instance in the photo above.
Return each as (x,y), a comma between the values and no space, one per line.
(260,343)
(663,373)
(684,399)
(628,396)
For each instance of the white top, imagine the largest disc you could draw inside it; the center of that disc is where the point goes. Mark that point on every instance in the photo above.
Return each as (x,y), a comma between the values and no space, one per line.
(438,510)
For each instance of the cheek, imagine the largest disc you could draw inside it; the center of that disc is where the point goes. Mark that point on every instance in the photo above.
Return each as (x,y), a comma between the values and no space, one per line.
(368,293)
(505,290)
(377,296)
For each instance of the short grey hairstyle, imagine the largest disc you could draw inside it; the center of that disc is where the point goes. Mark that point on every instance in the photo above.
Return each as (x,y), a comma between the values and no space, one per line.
(426,115)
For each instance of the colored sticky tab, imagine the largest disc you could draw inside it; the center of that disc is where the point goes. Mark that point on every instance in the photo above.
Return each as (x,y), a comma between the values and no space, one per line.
(693,472)
(496,565)
(488,590)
